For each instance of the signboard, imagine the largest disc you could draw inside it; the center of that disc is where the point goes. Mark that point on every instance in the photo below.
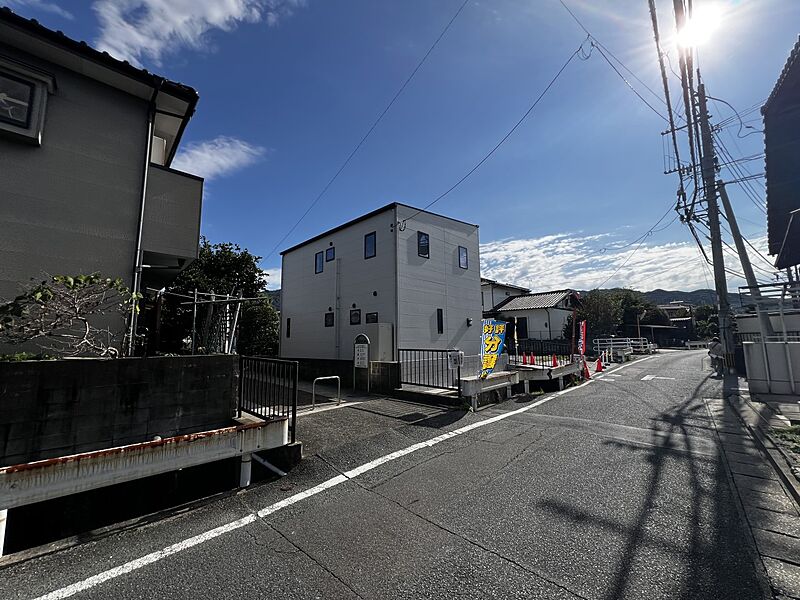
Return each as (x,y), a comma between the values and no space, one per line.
(361,356)
(455,360)
(492,339)
(582,338)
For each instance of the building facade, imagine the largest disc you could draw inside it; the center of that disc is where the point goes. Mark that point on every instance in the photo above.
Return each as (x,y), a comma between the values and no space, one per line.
(494,292)
(781,114)
(540,316)
(86,143)
(404,277)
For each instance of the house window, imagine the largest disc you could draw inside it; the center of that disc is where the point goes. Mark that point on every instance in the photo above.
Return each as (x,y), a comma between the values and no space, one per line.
(16,100)
(289,327)
(328,319)
(423,245)
(371,317)
(462,258)
(440,320)
(23,100)
(369,245)
(330,254)
(355,316)
(318,262)
(522,328)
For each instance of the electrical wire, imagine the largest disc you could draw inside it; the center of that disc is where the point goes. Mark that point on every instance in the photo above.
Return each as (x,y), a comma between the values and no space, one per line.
(508,134)
(746,241)
(738,116)
(604,52)
(643,238)
(628,83)
(601,46)
(371,129)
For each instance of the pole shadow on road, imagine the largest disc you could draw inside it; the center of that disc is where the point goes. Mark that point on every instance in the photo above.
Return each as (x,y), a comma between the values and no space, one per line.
(717,559)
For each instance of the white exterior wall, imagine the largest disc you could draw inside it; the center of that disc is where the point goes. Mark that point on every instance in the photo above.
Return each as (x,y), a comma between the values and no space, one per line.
(306,296)
(493,294)
(425,284)
(538,326)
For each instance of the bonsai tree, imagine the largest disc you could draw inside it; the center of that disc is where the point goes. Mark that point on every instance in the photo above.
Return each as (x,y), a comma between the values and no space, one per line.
(62,315)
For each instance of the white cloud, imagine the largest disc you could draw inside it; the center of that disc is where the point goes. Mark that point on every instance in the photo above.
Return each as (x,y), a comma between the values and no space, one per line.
(572,260)
(273,278)
(43,6)
(218,157)
(139,30)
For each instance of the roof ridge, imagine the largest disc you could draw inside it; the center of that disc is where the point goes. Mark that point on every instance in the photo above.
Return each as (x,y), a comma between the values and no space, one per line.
(790,62)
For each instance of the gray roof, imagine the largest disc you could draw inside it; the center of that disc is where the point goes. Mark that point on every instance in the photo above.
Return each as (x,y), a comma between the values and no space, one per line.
(533,301)
(487,281)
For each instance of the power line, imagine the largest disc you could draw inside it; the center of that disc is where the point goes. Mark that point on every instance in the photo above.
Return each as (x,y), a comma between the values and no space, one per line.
(371,128)
(603,47)
(756,250)
(628,83)
(603,50)
(503,139)
(738,116)
(643,238)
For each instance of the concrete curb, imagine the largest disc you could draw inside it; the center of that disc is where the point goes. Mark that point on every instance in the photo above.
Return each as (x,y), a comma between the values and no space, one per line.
(776,456)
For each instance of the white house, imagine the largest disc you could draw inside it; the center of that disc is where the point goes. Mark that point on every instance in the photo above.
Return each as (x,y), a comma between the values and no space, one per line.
(494,292)
(540,316)
(406,278)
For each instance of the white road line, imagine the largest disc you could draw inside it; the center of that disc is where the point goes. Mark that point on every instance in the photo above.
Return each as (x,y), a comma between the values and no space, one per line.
(153,557)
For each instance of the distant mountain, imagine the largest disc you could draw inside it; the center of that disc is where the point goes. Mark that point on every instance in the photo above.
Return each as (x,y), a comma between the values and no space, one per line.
(695,298)
(275,297)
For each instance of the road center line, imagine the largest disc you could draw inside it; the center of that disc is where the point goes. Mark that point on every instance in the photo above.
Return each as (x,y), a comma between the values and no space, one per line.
(158,555)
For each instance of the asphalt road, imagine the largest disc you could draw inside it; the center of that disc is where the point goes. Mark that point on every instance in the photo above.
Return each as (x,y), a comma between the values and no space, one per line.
(616,489)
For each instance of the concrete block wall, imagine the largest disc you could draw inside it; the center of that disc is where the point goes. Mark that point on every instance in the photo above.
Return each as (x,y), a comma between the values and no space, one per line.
(55,408)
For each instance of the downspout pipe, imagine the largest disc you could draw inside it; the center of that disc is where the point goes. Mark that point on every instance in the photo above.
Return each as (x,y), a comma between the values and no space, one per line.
(138,258)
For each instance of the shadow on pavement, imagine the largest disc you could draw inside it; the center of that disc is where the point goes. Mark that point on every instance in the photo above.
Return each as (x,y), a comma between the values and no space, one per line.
(715,556)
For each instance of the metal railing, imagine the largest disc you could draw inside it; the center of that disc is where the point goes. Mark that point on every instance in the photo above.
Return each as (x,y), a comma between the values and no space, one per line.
(314,389)
(428,367)
(540,353)
(268,389)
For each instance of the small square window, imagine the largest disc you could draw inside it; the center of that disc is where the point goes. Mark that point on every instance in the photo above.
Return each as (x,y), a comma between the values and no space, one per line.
(372,317)
(355,316)
(369,245)
(423,245)
(329,319)
(330,254)
(318,262)
(16,100)
(462,258)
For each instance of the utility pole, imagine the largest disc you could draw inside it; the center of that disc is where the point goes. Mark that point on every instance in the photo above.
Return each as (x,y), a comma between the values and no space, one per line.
(763,317)
(707,164)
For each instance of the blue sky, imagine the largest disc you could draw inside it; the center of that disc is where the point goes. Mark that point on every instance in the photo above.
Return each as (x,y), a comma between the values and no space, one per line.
(288,87)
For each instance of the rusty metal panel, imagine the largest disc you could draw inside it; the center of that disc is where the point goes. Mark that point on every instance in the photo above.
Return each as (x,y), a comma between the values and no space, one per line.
(43,480)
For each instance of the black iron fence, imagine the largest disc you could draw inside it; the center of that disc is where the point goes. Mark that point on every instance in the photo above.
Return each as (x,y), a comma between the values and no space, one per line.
(428,368)
(540,353)
(268,389)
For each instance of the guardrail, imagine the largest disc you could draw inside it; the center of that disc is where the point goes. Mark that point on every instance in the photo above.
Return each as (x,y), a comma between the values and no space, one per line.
(540,353)
(314,389)
(268,389)
(429,367)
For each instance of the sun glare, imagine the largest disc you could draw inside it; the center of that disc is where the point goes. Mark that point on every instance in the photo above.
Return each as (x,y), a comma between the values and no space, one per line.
(698,30)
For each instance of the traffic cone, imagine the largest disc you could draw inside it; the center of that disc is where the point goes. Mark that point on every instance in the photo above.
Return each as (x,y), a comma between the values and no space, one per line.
(524,359)
(555,361)
(599,367)
(586,373)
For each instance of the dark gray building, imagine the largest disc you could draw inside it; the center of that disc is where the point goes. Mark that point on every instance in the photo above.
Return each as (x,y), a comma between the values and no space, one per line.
(782,151)
(86,143)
